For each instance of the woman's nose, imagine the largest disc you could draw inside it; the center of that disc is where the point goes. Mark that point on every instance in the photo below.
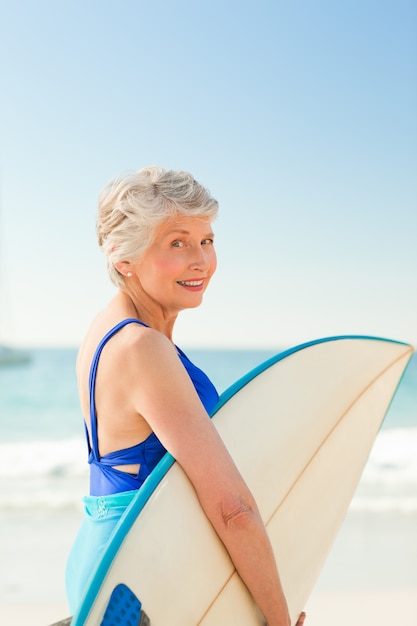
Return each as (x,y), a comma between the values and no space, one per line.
(200,260)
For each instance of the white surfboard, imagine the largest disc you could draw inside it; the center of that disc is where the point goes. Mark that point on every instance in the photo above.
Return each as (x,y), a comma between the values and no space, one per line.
(300,428)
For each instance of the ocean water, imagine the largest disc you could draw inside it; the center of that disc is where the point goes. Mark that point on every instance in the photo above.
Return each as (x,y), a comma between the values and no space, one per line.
(43,457)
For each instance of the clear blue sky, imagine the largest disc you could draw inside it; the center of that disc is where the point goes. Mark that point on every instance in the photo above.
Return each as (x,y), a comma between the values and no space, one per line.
(300,116)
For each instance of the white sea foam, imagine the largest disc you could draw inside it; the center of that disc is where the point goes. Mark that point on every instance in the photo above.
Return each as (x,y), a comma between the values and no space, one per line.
(393,460)
(389,480)
(42,458)
(54,474)
(43,474)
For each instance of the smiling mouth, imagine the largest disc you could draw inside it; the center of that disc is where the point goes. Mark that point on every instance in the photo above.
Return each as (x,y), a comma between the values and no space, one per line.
(191,283)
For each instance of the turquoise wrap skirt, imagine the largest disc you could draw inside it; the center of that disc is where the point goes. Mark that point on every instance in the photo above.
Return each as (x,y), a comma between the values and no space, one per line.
(101,516)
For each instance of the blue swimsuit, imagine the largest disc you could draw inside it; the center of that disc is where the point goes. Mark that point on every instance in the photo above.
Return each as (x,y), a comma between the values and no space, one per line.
(104,479)
(112,490)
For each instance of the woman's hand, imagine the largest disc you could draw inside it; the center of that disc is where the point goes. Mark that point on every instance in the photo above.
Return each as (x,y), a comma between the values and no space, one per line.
(300,621)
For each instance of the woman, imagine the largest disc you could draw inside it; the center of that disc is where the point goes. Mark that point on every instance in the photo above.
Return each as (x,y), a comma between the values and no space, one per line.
(141,396)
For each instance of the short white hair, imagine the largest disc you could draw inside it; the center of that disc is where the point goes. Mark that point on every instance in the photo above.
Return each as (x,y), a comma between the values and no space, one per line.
(132,206)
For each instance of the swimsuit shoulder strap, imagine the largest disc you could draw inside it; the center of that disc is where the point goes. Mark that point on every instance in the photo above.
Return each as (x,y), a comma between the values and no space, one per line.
(93,375)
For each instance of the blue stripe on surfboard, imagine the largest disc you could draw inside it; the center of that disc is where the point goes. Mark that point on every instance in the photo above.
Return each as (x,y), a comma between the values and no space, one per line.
(246,378)
(160,471)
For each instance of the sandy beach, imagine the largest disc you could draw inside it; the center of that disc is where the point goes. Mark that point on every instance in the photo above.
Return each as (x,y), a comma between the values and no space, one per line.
(347,608)
(369,577)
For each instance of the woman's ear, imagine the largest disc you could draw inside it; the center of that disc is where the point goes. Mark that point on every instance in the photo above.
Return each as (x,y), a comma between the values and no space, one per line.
(124,268)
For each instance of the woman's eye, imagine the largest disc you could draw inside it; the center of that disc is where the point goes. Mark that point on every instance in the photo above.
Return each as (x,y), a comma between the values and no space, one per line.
(177,244)
(206,242)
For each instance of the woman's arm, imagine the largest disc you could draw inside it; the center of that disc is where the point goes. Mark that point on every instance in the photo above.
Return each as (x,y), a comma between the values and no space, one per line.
(165,396)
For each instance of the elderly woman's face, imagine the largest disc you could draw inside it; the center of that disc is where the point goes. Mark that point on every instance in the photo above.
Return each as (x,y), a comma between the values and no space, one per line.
(177,267)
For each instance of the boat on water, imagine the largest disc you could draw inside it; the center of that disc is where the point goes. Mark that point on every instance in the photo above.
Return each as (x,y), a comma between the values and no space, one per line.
(13,356)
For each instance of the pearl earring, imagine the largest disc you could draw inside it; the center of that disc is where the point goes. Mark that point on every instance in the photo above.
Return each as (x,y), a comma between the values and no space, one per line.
(129,274)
